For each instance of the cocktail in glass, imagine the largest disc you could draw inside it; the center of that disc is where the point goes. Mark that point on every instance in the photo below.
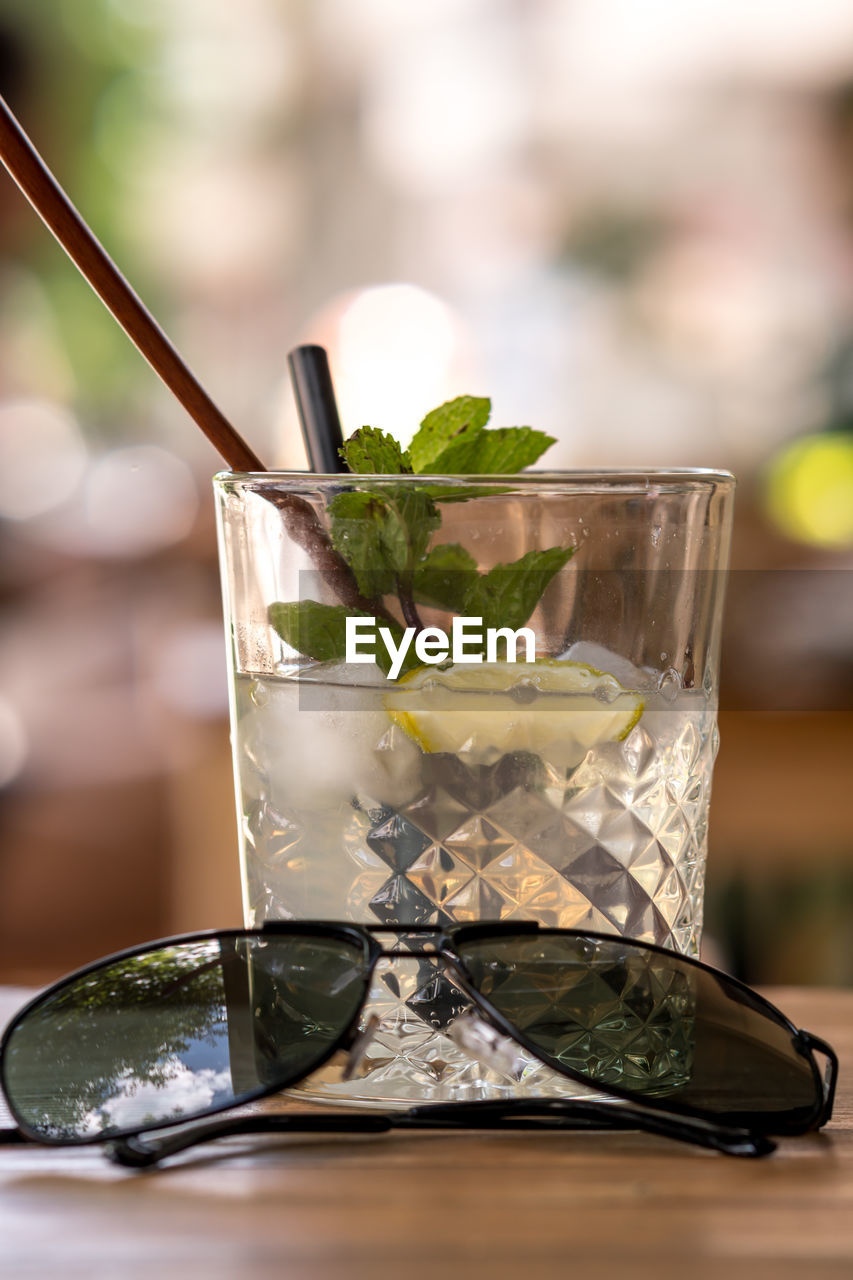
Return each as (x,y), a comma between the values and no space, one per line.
(558,770)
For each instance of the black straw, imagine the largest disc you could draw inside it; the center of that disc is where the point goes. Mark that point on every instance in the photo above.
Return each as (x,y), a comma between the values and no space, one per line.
(318,411)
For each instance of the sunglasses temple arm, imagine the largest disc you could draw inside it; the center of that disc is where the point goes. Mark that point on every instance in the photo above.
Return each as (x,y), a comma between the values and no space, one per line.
(586,1114)
(8,1135)
(814,1043)
(142,1153)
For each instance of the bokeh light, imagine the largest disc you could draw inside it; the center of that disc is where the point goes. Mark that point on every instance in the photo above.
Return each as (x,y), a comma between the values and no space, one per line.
(396,350)
(188,670)
(42,457)
(428,138)
(138,499)
(13,743)
(809,490)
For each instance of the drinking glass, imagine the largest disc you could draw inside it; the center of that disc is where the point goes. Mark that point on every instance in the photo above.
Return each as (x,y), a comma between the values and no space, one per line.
(563,779)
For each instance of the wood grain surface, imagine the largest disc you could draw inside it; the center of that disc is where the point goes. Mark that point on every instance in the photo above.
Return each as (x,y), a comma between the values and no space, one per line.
(447,1205)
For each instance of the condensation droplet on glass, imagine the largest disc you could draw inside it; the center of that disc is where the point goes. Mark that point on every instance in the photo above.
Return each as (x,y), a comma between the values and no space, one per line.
(656,533)
(669,684)
(259,694)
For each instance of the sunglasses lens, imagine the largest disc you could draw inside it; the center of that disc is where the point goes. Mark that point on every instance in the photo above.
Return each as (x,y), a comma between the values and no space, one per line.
(652,1025)
(178,1032)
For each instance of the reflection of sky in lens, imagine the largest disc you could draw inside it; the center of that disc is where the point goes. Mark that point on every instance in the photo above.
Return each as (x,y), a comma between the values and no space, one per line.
(161,1035)
(195,1080)
(184,1092)
(193,1073)
(211,1053)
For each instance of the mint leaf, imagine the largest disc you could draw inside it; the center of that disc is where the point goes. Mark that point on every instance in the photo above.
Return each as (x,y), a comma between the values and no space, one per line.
(319,631)
(420,518)
(357,531)
(313,629)
(382,534)
(507,595)
(466,415)
(371,451)
(498,451)
(444,577)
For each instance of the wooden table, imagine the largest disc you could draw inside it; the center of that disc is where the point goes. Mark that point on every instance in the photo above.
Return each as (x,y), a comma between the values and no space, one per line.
(447,1205)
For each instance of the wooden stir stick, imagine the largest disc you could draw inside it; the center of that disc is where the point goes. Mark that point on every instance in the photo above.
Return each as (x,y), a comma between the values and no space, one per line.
(59,215)
(61,218)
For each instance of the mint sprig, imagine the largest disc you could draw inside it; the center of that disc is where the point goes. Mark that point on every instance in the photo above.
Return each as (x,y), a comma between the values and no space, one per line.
(383,532)
(503,451)
(507,595)
(458,419)
(371,451)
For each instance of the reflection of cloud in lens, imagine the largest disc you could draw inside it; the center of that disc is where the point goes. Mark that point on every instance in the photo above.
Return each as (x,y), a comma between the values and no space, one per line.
(182,1092)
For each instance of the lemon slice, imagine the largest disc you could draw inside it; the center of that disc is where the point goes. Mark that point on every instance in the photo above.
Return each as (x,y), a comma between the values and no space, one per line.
(482,711)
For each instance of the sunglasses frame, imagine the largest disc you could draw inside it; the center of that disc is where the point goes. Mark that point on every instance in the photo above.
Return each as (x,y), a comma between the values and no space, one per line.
(439,944)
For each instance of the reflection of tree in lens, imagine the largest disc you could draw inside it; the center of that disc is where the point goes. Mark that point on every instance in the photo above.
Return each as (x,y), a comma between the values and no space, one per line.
(106,1051)
(180,1031)
(617,1015)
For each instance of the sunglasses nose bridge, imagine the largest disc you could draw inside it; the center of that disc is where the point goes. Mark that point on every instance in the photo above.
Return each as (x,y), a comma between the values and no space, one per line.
(423,951)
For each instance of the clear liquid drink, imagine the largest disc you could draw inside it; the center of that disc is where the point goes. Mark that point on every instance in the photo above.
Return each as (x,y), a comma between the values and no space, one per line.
(572,789)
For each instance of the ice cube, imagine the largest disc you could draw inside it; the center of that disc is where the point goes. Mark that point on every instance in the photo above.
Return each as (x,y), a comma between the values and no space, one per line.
(603,659)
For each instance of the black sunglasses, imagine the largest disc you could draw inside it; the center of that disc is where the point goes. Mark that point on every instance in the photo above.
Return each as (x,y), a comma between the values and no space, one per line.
(176,1030)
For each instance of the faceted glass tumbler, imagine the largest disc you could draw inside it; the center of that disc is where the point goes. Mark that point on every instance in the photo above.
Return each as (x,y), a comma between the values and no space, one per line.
(569,786)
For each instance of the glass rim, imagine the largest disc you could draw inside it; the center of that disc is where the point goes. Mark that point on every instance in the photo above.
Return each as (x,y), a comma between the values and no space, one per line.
(589,480)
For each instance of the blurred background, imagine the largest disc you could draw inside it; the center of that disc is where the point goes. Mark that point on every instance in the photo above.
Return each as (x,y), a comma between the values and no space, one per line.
(631,225)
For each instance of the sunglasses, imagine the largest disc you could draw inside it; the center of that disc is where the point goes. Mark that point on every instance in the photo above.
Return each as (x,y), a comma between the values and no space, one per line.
(174,1031)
